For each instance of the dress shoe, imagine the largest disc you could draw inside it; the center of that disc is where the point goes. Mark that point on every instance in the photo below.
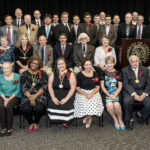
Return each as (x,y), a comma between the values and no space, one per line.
(130,125)
(139,118)
(3,133)
(30,130)
(87,125)
(122,128)
(8,133)
(35,129)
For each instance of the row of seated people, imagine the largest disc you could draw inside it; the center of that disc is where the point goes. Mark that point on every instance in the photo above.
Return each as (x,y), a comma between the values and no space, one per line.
(68,96)
(74,55)
(95,32)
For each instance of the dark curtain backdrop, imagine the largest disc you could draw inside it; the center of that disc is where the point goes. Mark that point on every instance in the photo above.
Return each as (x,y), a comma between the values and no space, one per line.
(111,7)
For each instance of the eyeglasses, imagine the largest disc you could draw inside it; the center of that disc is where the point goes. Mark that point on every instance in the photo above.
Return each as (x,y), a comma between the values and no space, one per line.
(35,64)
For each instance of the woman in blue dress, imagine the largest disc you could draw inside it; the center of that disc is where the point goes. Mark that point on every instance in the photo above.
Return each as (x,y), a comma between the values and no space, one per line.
(6,53)
(111,84)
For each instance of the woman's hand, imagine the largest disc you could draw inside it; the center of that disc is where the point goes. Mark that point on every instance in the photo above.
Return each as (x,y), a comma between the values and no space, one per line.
(25,67)
(112,96)
(56,101)
(89,96)
(1,65)
(103,68)
(6,101)
(63,101)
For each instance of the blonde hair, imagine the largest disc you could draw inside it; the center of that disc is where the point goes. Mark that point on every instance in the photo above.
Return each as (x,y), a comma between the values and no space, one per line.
(9,63)
(110,58)
(83,35)
(4,37)
(20,39)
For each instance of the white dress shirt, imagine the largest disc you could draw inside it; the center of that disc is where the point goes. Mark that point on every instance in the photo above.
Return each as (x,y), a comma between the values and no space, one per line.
(137,29)
(107,29)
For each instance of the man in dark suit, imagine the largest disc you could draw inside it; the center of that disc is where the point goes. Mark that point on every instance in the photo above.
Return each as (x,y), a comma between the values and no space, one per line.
(134,17)
(10,31)
(138,32)
(64,50)
(109,30)
(47,30)
(55,19)
(64,27)
(116,21)
(75,28)
(126,29)
(37,21)
(45,53)
(146,31)
(18,21)
(136,88)
(89,28)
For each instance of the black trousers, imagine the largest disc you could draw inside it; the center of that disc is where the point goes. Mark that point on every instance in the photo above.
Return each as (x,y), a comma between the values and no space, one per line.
(32,113)
(6,113)
(127,105)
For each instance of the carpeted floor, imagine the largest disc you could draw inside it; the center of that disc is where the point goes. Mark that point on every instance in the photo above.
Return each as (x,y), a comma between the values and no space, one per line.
(80,138)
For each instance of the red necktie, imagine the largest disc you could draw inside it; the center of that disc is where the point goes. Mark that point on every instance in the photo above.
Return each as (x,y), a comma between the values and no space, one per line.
(38,23)
(63,50)
(9,36)
(139,33)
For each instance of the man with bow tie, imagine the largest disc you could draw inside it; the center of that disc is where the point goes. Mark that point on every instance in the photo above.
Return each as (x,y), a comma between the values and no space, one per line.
(136,89)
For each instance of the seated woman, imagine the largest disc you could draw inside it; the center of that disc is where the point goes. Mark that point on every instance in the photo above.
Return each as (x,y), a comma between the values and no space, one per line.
(10,95)
(6,53)
(34,87)
(101,53)
(61,85)
(22,53)
(81,51)
(88,100)
(111,84)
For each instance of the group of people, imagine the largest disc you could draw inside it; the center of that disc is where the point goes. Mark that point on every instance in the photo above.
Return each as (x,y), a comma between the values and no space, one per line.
(70,70)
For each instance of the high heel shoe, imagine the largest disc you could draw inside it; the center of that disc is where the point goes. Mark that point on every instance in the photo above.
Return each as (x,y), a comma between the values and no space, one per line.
(87,125)
(84,120)
(30,130)
(122,128)
(117,127)
(66,126)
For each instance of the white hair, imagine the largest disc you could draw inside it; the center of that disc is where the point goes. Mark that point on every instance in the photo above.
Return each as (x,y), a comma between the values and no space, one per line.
(83,35)
(133,56)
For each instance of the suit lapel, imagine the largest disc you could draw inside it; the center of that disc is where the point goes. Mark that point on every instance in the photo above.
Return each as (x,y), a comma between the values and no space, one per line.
(132,74)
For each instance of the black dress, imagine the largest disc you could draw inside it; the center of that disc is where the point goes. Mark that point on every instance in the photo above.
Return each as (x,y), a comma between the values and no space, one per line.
(22,56)
(61,113)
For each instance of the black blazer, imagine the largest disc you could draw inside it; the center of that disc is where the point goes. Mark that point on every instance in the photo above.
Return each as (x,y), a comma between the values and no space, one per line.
(121,32)
(59,29)
(51,38)
(93,34)
(15,23)
(146,32)
(68,55)
(135,31)
(41,21)
(129,85)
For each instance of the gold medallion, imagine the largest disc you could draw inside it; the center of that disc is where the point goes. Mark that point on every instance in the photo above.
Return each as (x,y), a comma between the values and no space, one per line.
(33,84)
(136,81)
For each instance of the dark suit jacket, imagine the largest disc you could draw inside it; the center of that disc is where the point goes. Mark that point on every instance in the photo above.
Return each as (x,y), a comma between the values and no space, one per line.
(34,22)
(15,23)
(42,31)
(93,34)
(74,34)
(129,85)
(135,31)
(112,34)
(146,32)
(68,55)
(78,54)
(59,29)
(121,33)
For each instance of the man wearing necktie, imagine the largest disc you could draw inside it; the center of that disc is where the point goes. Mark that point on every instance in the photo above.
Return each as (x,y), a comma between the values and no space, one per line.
(64,27)
(37,20)
(136,89)
(89,28)
(47,30)
(45,53)
(10,31)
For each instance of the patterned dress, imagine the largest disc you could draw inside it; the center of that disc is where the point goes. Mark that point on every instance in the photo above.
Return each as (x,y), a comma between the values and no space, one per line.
(111,80)
(6,56)
(84,106)
(40,81)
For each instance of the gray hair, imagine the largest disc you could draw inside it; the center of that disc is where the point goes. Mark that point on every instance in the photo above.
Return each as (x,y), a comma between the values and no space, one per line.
(83,35)
(133,56)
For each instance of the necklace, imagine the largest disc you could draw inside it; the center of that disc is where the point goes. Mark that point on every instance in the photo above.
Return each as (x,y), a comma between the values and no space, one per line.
(61,78)
(33,80)
(24,54)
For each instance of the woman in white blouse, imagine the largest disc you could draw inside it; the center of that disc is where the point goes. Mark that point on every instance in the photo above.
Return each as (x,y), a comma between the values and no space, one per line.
(101,53)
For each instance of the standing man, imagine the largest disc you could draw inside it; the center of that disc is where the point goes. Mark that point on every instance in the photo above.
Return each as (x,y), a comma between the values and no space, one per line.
(47,30)
(29,29)
(37,18)
(55,19)
(89,28)
(136,88)
(102,17)
(109,30)
(18,21)
(116,21)
(10,31)
(64,27)
(134,17)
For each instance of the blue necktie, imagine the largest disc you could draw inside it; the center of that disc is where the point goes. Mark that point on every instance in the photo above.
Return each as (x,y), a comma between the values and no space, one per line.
(47,32)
